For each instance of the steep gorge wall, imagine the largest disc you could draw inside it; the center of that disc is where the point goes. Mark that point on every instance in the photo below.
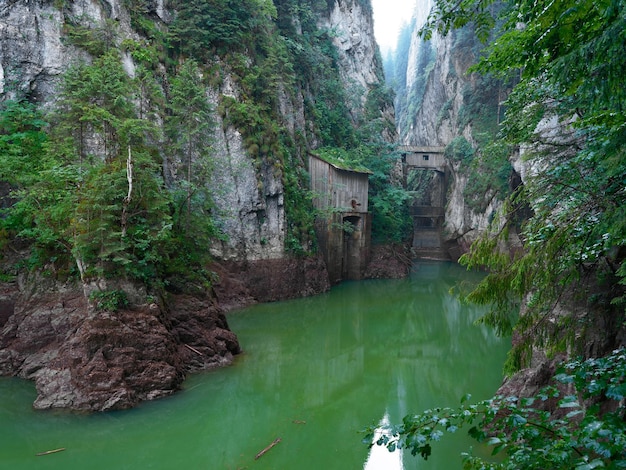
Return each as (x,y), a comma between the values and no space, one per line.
(34,53)
(441,116)
(99,360)
(256,224)
(581,316)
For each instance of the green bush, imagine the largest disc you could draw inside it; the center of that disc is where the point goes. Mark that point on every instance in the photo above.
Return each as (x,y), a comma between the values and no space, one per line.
(109,301)
(459,150)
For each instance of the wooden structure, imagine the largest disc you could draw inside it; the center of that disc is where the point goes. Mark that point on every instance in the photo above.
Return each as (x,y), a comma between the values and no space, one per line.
(344,225)
(427,220)
(423,157)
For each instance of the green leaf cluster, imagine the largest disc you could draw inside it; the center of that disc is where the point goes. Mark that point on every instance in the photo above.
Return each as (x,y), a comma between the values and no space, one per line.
(488,176)
(110,300)
(95,40)
(579,422)
(22,139)
(203,28)
(189,125)
(459,150)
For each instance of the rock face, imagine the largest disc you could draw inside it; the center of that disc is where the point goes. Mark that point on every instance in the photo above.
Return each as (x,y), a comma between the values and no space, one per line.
(359,64)
(85,359)
(255,225)
(245,283)
(600,329)
(31,52)
(91,360)
(463,225)
(441,117)
(355,44)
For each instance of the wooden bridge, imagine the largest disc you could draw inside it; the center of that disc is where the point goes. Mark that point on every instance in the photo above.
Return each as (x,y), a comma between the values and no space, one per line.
(427,220)
(423,157)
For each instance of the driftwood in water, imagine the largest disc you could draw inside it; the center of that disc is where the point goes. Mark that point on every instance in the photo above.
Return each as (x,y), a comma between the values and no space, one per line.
(260,454)
(48,452)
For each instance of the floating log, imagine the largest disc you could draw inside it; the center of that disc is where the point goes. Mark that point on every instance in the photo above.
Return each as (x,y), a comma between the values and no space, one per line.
(299,421)
(260,454)
(48,452)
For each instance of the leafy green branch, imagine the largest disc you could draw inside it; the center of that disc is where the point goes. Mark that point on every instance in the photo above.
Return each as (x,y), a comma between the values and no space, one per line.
(576,423)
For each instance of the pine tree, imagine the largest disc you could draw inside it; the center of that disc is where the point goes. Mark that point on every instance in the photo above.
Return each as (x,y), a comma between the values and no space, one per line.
(189,127)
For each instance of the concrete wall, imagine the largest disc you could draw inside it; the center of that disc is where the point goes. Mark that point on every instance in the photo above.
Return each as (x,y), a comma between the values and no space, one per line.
(345,240)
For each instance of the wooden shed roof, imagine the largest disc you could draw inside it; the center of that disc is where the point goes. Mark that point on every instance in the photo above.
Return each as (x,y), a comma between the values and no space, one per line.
(342,165)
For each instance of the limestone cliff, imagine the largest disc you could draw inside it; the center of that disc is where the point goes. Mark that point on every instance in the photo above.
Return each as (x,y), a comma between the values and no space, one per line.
(35,52)
(439,107)
(94,359)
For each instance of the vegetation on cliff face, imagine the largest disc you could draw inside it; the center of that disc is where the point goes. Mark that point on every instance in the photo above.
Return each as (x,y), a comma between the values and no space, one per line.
(567,114)
(88,179)
(435,110)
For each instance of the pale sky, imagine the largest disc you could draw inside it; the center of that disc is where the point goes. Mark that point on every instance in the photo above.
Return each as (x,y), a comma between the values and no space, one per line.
(389,16)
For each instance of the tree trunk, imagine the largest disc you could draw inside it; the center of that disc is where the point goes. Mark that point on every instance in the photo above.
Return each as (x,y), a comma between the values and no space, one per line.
(127,199)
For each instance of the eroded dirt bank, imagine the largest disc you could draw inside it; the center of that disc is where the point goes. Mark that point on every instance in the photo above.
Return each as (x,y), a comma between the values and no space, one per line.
(84,359)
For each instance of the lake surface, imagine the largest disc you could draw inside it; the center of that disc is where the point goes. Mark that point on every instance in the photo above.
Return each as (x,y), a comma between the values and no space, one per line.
(314,373)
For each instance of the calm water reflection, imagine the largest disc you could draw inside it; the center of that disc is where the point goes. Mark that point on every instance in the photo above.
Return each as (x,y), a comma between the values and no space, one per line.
(314,373)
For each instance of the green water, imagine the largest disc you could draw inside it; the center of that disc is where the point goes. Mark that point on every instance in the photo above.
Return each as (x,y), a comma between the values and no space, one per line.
(314,373)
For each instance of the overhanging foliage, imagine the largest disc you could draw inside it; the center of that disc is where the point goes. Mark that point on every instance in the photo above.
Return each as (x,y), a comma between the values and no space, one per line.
(568,115)
(563,426)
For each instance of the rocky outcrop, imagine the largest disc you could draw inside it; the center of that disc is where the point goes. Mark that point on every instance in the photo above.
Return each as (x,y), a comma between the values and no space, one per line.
(436,122)
(464,225)
(90,360)
(240,284)
(360,67)
(254,226)
(354,39)
(600,328)
(31,52)
(435,78)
